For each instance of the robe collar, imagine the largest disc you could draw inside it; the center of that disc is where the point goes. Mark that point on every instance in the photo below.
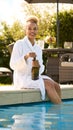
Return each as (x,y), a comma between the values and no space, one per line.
(29,43)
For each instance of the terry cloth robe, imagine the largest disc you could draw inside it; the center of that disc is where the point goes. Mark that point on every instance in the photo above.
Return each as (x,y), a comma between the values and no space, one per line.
(22,68)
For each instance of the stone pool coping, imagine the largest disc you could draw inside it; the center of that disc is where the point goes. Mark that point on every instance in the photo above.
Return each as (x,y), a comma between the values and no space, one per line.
(9,95)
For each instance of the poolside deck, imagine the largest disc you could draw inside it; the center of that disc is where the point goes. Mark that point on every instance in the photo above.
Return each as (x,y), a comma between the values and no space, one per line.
(9,95)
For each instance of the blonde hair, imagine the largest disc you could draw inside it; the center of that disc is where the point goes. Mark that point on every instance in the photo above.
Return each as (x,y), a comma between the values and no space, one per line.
(32,19)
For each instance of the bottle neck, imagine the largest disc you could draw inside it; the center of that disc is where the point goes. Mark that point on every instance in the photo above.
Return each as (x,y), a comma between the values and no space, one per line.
(34,58)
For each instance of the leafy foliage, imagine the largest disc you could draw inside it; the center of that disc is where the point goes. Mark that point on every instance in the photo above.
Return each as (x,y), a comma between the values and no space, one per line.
(8,35)
(65,27)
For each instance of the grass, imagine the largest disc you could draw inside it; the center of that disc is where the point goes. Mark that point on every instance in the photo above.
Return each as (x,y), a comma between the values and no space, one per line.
(4,84)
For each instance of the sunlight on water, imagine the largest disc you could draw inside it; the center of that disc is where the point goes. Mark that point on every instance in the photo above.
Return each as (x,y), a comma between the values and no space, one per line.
(39,116)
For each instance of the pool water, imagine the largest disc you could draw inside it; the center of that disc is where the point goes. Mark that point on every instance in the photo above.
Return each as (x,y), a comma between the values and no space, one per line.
(37,116)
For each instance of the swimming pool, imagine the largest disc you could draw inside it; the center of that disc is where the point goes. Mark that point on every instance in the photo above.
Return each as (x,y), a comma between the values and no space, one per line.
(39,116)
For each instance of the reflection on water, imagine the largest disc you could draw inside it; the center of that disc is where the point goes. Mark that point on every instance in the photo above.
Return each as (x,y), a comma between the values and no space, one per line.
(29,121)
(41,116)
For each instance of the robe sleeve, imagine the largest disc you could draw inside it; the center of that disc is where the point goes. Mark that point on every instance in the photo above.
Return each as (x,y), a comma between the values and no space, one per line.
(41,62)
(17,61)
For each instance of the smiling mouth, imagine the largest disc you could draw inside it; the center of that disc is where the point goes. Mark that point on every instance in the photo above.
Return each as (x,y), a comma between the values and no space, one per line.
(32,34)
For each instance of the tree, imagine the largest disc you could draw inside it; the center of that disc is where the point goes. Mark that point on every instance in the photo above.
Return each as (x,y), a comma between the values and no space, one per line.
(65,27)
(9,34)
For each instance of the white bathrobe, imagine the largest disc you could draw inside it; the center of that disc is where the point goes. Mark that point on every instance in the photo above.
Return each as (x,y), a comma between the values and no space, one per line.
(22,68)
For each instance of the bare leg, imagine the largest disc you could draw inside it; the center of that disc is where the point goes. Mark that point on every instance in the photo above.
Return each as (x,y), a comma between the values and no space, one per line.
(53,91)
(57,87)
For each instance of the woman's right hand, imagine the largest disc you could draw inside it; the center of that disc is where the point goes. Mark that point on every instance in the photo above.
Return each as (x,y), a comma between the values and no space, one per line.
(30,54)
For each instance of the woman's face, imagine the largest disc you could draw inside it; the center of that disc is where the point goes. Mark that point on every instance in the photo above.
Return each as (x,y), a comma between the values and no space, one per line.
(31,30)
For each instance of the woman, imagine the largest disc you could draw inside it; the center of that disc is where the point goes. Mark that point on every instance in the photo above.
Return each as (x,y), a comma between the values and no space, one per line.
(24,51)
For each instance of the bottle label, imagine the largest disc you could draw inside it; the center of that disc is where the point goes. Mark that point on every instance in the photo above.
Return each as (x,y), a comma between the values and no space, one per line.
(35,73)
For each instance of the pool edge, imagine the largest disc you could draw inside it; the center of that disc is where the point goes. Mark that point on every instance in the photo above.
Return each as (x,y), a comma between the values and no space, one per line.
(10,96)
